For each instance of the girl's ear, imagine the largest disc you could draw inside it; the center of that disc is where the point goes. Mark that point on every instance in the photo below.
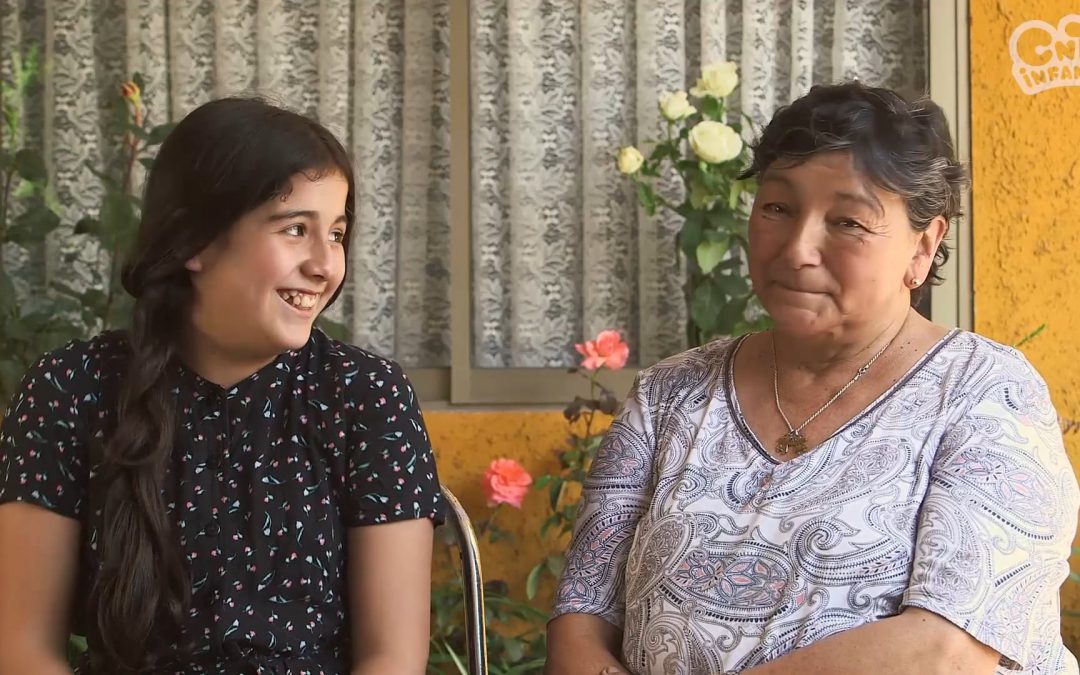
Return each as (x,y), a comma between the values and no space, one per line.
(194,264)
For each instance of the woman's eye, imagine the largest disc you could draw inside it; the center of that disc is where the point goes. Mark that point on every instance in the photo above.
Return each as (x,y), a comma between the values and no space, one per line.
(775,208)
(849,224)
(296,230)
(337,236)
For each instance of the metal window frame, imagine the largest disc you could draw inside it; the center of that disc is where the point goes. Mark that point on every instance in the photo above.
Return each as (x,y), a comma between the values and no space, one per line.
(462,384)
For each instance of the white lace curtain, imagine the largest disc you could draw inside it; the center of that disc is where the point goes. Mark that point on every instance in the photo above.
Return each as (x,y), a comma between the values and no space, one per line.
(559,248)
(375,72)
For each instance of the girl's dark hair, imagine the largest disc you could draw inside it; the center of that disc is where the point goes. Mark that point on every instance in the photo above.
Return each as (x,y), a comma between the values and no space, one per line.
(220,162)
(902,147)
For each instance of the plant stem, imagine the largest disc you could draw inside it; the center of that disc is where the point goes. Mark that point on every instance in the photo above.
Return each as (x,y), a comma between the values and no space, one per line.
(592,396)
(110,291)
(3,218)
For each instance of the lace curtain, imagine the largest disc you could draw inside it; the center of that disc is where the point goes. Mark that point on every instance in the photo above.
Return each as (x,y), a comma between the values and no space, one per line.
(560,249)
(375,72)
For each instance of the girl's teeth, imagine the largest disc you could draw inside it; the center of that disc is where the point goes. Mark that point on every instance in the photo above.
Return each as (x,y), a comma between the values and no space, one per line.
(298,299)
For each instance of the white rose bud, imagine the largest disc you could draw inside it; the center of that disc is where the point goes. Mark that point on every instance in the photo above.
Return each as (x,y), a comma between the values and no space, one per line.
(715,142)
(630,160)
(717,79)
(674,105)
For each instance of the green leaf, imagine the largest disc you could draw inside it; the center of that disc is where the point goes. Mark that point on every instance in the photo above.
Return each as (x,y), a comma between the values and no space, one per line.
(647,198)
(731,315)
(30,166)
(711,108)
(515,650)
(710,254)
(555,565)
(690,234)
(700,196)
(457,659)
(88,225)
(737,188)
(119,221)
(159,133)
(7,294)
(32,226)
(147,162)
(706,304)
(7,160)
(137,78)
(532,582)
(334,329)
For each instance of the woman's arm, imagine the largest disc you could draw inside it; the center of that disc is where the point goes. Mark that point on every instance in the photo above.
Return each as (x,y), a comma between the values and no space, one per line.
(38,559)
(390,597)
(583,644)
(913,642)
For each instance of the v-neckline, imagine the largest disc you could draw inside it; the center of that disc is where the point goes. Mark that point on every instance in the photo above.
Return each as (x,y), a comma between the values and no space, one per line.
(744,428)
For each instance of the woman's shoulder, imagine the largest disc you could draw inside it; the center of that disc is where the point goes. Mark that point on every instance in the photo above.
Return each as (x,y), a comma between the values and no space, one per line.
(977,359)
(692,370)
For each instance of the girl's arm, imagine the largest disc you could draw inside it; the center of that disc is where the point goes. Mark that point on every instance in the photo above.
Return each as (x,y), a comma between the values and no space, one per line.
(390,597)
(38,560)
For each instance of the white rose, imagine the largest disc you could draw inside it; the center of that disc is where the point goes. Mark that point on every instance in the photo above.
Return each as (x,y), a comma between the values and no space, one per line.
(715,142)
(630,160)
(674,105)
(717,79)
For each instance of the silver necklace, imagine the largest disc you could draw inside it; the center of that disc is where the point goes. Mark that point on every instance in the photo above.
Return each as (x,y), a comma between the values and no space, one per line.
(793,441)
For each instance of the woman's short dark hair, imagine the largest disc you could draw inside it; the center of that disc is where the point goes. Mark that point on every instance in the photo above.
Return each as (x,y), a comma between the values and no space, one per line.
(900,146)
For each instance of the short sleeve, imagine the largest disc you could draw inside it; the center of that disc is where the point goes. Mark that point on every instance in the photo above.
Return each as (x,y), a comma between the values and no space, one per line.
(997,522)
(42,441)
(391,467)
(614,498)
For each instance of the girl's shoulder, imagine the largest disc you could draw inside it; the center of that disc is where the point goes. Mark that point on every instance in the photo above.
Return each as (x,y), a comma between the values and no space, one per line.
(83,366)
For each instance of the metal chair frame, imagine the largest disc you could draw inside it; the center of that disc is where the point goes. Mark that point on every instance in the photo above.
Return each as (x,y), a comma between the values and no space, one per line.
(473,582)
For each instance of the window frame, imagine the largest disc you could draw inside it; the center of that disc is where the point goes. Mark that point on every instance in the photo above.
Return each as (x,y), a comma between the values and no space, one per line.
(462,384)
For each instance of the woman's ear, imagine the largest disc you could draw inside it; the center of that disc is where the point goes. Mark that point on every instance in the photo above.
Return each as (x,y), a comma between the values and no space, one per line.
(194,264)
(926,246)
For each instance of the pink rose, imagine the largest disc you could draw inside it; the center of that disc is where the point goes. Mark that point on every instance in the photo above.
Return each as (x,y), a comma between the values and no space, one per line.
(506,482)
(606,351)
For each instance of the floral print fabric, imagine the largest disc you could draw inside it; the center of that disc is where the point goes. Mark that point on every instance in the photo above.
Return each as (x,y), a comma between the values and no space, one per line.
(264,480)
(952,492)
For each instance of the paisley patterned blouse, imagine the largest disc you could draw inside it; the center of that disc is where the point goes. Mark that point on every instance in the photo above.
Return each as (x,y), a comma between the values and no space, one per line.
(264,480)
(951,492)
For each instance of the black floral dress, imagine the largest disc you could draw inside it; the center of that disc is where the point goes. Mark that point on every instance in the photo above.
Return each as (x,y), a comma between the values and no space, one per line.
(264,480)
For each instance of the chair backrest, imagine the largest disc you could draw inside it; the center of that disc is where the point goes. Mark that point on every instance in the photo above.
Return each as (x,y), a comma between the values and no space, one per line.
(473,580)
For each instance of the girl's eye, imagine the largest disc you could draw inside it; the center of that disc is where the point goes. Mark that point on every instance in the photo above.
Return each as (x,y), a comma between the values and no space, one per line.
(775,208)
(337,236)
(296,230)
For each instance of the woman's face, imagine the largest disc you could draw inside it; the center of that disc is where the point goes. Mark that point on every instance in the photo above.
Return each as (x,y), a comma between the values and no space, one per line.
(829,250)
(259,287)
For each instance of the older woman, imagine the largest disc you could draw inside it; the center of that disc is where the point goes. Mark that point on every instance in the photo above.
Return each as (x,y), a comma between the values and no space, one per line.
(857,490)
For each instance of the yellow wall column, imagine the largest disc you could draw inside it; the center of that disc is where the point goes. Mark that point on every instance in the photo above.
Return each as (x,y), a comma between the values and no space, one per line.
(1025,159)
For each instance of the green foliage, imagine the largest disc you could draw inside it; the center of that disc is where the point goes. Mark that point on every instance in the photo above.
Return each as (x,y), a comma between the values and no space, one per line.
(47,318)
(713,238)
(516,641)
(32,324)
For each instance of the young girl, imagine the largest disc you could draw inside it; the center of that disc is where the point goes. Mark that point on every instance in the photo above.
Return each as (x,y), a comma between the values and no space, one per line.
(223,488)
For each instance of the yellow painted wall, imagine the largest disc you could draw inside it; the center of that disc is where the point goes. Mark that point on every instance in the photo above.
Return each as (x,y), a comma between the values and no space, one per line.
(466,442)
(1026,210)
